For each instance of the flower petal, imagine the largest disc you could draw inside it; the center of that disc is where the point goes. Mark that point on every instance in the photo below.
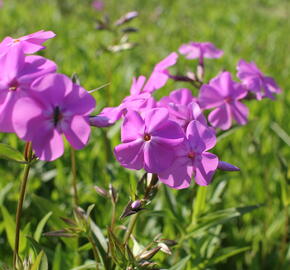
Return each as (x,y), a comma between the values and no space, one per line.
(200,137)
(178,175)
(221,117)
(130,155)
(205,168)
(132,127)
(78,132)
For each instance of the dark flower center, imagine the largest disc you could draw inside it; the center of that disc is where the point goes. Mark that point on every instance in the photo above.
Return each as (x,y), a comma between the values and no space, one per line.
(147,137)
(16,40)
(57,116)
(228,100)
(191,155)
(13,85)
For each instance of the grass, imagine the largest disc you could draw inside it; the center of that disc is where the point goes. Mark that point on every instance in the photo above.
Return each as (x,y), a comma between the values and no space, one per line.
(256,30)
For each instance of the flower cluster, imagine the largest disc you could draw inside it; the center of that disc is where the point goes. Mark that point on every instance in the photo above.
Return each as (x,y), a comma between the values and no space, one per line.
(38,104)
(171,137)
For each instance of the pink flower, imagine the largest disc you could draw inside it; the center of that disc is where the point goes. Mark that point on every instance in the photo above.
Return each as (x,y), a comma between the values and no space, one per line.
(55,107)
(98,5)
(223,94)
(31,43)
(182,107)
(148,141)
(17,74)
(192,158)
(200,50)
(160,74)
(255,81)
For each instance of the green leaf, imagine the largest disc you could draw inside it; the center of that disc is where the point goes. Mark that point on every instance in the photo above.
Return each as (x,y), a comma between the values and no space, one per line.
(37,262)
(56,264)
(181,264)
(218,217)
(9,153)
(40,226)
(44,263)
(226,253)
(10,228)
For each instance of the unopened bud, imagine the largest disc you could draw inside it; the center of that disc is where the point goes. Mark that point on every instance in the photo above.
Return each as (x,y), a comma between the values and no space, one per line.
(168,242)
(164,248)
(101,191)
(136,204)
(113,193)
(224,166)
(147,255)
(127,17)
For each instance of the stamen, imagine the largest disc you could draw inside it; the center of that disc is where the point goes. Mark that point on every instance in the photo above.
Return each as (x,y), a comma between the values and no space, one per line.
(147,137)
(57,116)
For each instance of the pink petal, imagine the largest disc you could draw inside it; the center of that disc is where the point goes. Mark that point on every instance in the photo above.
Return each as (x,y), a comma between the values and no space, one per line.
(200,137)
(137,85)
(205,169)
(221,117)
(240,112)
(157,157)
(79,101)
(130,155)
(48,144)
(155,118)
(178,175)
(78,132)
(133,127)
(209,97)
(26,118)
(168,61)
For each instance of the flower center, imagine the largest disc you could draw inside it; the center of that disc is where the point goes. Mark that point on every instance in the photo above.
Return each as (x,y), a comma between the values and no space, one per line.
(13,86)
(147,137)
(16,40)
(191,155)
(228,100)
(57,116)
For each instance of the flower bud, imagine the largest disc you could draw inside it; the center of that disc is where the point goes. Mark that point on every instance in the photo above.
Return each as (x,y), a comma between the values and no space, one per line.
(224,166)
(147,255)
(101,191)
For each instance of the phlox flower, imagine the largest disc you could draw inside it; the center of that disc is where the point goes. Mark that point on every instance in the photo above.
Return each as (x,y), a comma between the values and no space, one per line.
(160,73)
(17,74)
(200,50)
(224,94)
(182,107)
(98,5)
(148,140)
(192,158)
(31,43)
(54,108)
(254,80)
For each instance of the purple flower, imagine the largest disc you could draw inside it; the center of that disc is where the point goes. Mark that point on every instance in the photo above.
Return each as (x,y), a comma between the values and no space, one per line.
(31,43)
(182,107)
(148,141)
(255,81)
(200,50)
(192,158)
(55,107)
(160,74)
(17,74)
(98,5)
(223,94)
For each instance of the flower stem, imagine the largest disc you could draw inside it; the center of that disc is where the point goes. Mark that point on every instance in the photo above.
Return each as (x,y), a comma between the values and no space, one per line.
(74,173)
(131,226)
(28,157)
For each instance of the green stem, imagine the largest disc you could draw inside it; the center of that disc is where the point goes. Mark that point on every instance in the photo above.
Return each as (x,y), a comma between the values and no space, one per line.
(74,174)
(28,157)
(131,226)
(95,252)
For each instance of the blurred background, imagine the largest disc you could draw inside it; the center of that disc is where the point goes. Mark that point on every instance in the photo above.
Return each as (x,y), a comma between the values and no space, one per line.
(254,30)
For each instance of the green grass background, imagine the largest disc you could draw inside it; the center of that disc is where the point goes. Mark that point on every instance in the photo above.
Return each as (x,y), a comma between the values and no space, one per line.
(256,30)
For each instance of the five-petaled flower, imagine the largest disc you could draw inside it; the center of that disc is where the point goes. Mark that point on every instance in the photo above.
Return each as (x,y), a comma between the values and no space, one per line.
(55,107)
(17,74)
(148,141)
(224,94)
(192,158)
(254,80)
